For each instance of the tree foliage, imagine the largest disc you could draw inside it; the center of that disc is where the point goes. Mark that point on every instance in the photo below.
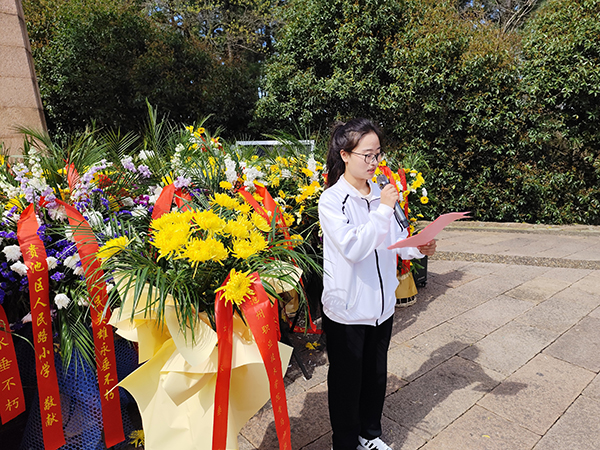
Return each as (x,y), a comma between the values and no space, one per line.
(454,83)
(101,61)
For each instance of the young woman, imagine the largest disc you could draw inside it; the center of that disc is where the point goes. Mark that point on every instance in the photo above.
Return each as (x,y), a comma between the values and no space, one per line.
(359,283)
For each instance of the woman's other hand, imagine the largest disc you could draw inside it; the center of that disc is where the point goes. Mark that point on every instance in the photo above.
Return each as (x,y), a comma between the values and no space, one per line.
(428,249)
(389,195)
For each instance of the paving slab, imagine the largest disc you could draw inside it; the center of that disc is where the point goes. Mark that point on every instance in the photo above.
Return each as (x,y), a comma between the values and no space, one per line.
(510,347)
(561,312)
(492,314)
(433,401)
(593,389)
(538,289)
(413,358)
(538,393)
(580,345)
(480,429)
(309,419)
(590,283)
(577,429)
(399,437)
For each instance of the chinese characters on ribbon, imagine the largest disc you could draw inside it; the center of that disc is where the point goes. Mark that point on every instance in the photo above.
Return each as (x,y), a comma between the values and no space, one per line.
(34,255)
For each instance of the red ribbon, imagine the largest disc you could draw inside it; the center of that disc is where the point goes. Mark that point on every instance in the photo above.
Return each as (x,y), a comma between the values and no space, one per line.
(106,362)
(12,401)
(224,323)
(165,200)
(34,255)
(261,316)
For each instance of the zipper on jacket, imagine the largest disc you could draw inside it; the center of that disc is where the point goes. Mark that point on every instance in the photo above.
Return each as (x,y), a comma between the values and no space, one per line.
(378,271)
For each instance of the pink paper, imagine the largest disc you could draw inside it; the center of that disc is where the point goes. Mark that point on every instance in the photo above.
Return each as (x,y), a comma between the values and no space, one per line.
(430,231)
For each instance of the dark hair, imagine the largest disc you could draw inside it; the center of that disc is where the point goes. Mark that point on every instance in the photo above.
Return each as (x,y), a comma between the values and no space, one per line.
(345,136)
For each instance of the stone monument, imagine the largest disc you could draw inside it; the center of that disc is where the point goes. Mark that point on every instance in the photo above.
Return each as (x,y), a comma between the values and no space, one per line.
(20,101)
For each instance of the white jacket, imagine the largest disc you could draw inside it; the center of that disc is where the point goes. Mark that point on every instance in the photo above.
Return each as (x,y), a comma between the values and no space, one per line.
(359,280)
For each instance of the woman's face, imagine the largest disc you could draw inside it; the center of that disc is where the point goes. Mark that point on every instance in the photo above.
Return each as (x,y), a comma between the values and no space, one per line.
(358,171)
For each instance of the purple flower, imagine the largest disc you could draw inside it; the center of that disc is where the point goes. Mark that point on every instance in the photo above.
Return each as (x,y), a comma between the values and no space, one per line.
(58,276)
(144,171)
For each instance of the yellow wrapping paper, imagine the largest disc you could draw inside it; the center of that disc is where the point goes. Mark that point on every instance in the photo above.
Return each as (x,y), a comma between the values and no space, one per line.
(406,286)
(175,388)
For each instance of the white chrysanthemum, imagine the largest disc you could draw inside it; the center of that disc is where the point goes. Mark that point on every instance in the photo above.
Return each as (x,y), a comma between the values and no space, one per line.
(58,213)
(230,172)
(61,301)
(94,219)
(128,201)
(12,252)
(252,174)
(19,268)
(51,261)
(424,192)
(155,194)
(109,287)
(285,173)
(139,211)
(71,261)
(26,318)
(82,302)
(146,154)
(311,165)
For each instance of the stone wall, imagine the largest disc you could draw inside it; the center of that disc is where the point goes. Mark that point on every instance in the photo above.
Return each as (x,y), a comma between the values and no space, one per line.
(20,102)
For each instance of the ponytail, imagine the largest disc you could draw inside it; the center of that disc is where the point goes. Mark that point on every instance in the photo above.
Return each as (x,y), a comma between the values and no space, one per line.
(345,136)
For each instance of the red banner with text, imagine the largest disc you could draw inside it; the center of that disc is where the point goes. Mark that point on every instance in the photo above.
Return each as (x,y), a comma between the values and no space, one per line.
(12,402)
(34,255)
(106,362)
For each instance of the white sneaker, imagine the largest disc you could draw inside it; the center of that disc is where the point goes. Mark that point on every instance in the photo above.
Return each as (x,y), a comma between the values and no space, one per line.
(373,444)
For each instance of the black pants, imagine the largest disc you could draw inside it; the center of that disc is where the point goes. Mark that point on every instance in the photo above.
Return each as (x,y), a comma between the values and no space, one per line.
(356,380)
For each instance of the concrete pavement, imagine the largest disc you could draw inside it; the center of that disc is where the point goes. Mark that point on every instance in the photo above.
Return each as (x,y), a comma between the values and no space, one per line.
(500,352)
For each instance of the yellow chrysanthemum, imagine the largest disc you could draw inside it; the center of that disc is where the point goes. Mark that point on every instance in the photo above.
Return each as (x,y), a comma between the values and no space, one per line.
(244,208)
(418,182)
(226,185)
(190,128)
(258,241)
(239,228)
(420,215)
(274,181)
(307,191)
(307,172)
(198,250)
(257,197)
(282,195)
(208,220)
(137,438)
(260,222)
(112,247)
(243,249)
(296,240)
(289,219)
(225,201)
(424,200)
(171,218)
(238,288)
(172,238)
(274,168)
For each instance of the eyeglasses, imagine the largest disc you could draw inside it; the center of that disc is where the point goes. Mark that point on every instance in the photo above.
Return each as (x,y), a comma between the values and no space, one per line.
(371,157)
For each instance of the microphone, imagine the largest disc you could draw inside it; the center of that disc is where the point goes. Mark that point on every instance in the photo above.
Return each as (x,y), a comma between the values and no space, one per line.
(382,180)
